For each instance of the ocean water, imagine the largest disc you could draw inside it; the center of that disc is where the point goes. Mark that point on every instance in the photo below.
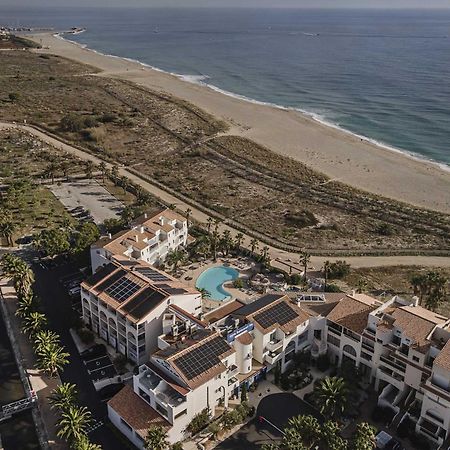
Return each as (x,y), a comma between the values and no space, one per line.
(384,75)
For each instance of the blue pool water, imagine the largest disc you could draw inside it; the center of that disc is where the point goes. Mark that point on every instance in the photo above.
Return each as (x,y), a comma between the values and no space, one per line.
(213,279)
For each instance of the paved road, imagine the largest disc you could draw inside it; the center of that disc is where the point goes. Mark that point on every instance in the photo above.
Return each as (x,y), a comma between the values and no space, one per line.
(59,312)
(275,253)
(276,409)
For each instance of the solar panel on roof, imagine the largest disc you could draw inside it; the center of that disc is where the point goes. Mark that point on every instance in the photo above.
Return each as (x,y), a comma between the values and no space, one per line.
(152,274)
(280,313)
(202,358)
(122,289)
(111,280)
(143,303)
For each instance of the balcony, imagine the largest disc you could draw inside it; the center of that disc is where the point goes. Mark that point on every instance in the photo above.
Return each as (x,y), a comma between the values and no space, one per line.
(273,357)
(318,348)
(396,365)
(367,347)
(232,371)
(274,345)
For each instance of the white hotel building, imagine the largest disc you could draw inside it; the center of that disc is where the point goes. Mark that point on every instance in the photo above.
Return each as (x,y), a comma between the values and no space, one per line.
(150,238)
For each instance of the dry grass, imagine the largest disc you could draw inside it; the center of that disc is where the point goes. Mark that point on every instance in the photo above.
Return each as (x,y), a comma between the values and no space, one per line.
(157,134)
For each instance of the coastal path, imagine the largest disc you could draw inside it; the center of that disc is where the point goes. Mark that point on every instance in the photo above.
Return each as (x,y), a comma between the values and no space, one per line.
(280,258)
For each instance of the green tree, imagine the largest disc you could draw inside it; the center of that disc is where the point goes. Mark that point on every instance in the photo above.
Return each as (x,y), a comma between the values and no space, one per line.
(45,338)
(331,396)
(304,430)
(33,323)
(115,172)
(64,396)
(364,437)
(330,438)
(214,428)
(204,293)
(209,223)
(52,358)
(83,443)
(361,285)
(238,240)
(103,170)
(7,229)
(305,258)
(73,423)
(326,272)
(26,304)
(176,257)
(125,184)
(51,170)
(226,242)
(156,438)
(188,214)
(199,421)
(244,396)
(52,242)
(72,123)
(254,244)
(85,236)
(265,258)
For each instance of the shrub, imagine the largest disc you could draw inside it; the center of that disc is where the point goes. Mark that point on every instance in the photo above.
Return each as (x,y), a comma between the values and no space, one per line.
(199,422)
(72,123)
(295,279)
(86,336)
(332,288)
(90,122)
(384,229)
(120,362)
(13,96)
(238,284)
(108,117)
(338,269)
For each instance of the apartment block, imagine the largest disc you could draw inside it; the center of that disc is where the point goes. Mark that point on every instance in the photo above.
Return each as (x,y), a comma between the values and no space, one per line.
(150,238)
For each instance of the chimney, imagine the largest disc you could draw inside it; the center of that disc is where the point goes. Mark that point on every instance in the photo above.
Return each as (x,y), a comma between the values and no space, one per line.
(145,215)
(109,236)
(415,300)
(136,237)
(161,220)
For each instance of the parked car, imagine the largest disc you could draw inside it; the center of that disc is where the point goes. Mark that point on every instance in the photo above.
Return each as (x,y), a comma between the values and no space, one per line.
(75,291)
(385,441)
(110,391)
(95,351)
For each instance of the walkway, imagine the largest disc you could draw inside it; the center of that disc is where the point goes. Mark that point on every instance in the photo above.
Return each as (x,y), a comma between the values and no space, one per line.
(279,257)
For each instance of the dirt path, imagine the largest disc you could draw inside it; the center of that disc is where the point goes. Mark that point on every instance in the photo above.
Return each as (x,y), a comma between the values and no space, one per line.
(280,258)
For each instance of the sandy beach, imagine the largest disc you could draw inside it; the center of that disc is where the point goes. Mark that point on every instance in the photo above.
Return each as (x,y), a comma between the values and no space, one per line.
(340,155)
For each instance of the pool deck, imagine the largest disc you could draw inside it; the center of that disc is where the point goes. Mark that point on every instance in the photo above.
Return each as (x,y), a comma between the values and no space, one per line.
(196,269)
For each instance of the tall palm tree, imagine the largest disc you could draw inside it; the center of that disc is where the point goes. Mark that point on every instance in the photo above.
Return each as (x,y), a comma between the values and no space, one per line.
(326,272)
(254,244)
(331,396)
(156,438)
(188,213)
(204,293)
(226,242)
(104,170)
(64,396)
(214,241)
(209,223)
(34,323)
(265,255)
(73,423)
(125,183)
(89,168)
(304,261)
(52,358)
(238,239)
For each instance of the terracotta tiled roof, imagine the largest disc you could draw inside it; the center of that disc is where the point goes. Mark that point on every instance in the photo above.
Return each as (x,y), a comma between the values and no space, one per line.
(352,313)
(414,326)
(136,412)
(443,359)
(223,311)
(245,338)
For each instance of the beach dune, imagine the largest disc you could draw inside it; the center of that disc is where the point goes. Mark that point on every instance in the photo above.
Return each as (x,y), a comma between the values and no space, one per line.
(340,155)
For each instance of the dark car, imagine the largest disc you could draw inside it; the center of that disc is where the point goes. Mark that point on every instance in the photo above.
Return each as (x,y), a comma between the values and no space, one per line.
(110,391)
(95,351)
(393,444)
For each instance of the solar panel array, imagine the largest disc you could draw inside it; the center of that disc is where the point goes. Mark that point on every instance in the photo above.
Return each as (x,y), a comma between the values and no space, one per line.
(280,313)
(152,274)
(122,289)
(101,273)
(111,280)
(202,358)
(143,303)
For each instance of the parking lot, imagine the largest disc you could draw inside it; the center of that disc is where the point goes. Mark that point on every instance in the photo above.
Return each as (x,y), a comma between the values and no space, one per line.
(100,368)
(87,200)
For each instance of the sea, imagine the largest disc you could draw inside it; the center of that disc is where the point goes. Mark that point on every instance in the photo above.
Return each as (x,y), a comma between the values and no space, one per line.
(381,74)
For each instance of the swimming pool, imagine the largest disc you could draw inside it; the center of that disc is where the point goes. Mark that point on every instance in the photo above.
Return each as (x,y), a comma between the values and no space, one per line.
(213,279)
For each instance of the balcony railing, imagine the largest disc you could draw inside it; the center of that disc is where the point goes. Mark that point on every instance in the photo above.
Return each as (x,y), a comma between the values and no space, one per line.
(274,345)
(397,366)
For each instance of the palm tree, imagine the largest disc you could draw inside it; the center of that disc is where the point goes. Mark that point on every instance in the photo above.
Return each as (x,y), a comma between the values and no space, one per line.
(65,169)
(115,173)
(89,168)
(330,437)
(254,244)
(204,293)
(361,286)
(26,305)
(364,437)
(64,396)
(226,242)
(34,323)
(12,264)
(104,170)
(238,239)
(156,438)
(125,183)
(45,338)
(326,271)
(304,429)
(265,255)
(216,225)
(52,358)
(188,213)
(51,171)
(84,444)
(214,244)
(7,228)
(304,261)
(331,395)
(73,423)
(175,257)
(209,223)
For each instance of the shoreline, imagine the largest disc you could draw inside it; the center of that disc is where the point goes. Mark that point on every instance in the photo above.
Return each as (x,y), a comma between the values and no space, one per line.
(199,81)
(338,153)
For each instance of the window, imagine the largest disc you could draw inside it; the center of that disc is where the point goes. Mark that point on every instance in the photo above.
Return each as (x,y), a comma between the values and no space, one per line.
(161,409)
(416,359)
(318,334)
(396,340)
(334,341)
(182,413)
